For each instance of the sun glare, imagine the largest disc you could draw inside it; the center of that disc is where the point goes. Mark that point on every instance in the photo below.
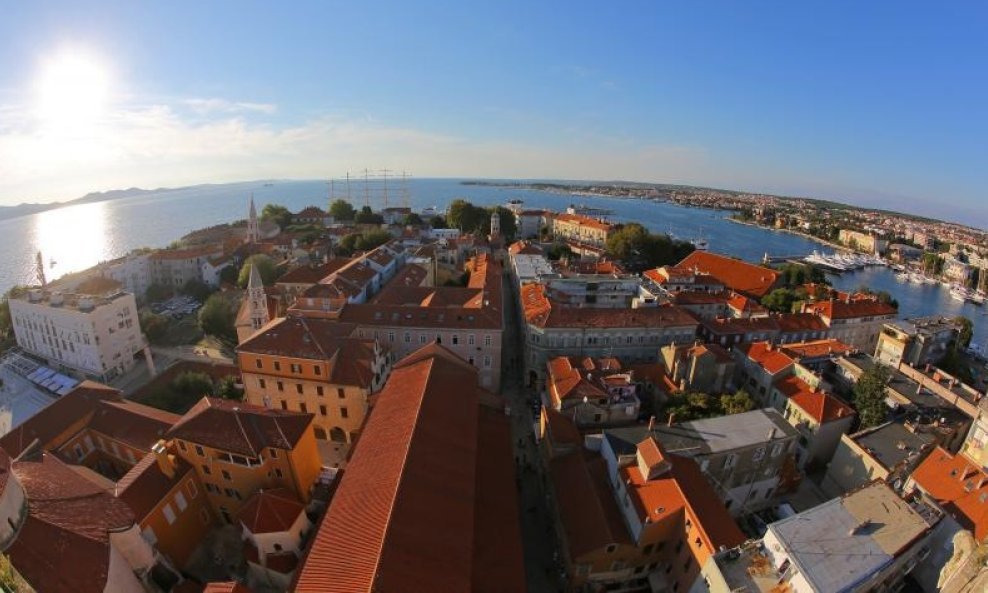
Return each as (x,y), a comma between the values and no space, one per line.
(73,91)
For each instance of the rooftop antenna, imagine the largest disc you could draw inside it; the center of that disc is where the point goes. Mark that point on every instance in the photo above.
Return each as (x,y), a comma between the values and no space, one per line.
(366,190)
(406,202)
(384,173)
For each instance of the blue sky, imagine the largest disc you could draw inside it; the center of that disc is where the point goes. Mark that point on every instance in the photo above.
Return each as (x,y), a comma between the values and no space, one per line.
(878,104)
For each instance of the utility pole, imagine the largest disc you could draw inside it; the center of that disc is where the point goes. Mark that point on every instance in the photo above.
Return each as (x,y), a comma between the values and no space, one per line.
(366,190)
(384,174)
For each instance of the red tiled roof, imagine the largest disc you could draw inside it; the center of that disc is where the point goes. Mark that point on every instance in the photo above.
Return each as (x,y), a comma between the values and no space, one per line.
(816,348)
(741,303)
(132,423)
(800,322)
(837,309)
(63,544)
(817,404)
(539,311)
(350,359)
(735,274)
(240,427)
(767,356)
(561,429)
(192,253)
(734,326)
(420,441)
(55,419)
(145,485)
(525,248)
(312,274)
(566,382)
(270,511)
(227,587)
(959,486)
(579,219)
(590,515)
(697,297)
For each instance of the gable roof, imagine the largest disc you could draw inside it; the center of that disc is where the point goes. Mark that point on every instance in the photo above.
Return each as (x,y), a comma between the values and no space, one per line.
(414,467)
(145,485)
(737,275)
(821,406)
(850,309)
(240,428)
(132,423)
(959,486)
(49,425)
(767,356)
(590,516)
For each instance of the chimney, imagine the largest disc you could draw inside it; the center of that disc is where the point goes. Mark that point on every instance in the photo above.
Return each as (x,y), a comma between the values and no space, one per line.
(771,433)
(651,423)
(165,460)
(672,418)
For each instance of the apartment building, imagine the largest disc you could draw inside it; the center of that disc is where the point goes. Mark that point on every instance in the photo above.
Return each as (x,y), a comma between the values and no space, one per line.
(737,275)
(916,342)
(699,367)
(865,541)
(592,392)
(636,518)
(628,334)
(428,501)
(132,271)
(95,336)
(238,449)
(317,366)
(862,241)
(175,267)
(748,458)
(856,322)
(581,229)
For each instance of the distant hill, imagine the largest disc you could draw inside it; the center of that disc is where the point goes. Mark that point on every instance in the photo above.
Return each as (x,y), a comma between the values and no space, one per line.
(26,209)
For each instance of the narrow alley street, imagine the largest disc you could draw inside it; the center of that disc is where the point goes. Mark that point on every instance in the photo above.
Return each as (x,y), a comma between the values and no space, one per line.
(538,532)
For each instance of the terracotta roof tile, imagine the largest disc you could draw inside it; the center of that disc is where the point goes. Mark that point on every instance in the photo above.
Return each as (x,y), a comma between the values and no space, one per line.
(821,406)
(145,485)
(239,427)
(959,486)
(735,274)
(413,468)
(581,220)
(590,516)
(839,309)
(270,511)
(63,544)
(55,419)
(313,274)
(132,423)
(767,356)
(816,348)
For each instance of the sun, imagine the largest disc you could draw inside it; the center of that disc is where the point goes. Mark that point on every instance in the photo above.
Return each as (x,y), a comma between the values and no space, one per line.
(73,90)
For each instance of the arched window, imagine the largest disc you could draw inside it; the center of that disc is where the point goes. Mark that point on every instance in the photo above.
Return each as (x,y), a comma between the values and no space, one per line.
(337,434)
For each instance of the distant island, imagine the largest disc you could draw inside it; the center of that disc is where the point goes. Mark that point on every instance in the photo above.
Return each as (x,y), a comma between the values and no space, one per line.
(26,209)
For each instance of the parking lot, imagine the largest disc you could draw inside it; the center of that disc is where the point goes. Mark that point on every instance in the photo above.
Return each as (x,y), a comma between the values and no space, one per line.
(176,307)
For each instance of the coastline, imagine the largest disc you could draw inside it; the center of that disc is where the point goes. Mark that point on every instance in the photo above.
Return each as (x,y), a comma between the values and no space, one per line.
(806,236)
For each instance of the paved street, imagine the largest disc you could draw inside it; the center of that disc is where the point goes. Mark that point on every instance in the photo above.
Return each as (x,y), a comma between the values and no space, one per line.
(536,520)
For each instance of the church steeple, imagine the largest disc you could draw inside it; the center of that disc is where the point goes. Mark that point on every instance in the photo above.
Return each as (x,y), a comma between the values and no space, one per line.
(256,300)
(495,224)
(253,233)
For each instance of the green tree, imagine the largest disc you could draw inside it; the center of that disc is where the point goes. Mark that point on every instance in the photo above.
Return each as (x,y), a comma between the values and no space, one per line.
(229,275)
(158,292)
(413,219)
(438,222)
(966,332)
(465,216)
(155,327)
(265,266)
(278,214)
(370,239)
(368,216)
(341,210)
(558,251)
(5,322)
(738,403)
(217,317)
(869,396)
(197,289)
(640,250)
(194,384)
(780,300)
(227,389)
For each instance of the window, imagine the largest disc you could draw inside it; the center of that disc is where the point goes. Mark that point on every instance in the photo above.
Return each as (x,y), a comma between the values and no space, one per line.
(487,340)
(730,460)
(422,338)
(344,413)
(391,337)
(317,369)
(284,405)
(199,451)
(470,339)
(226,475)
(298,389)
(408,338)
(611,548)
(206,470)
(340,393)
(296,368)
(169,513)
(191,487)
(180,501)
(149,536)
(277,365)
(322,410)
(79,452)
(456,339)
(758,455)
(258,363)
(319,391)
(281,386)
(261,383)
(278,473)
(274,454)
(487,362)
